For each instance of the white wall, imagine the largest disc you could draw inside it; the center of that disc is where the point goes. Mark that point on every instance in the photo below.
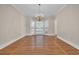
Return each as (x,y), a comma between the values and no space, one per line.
(28,25)
(68,24)
(12,25)
(51,25)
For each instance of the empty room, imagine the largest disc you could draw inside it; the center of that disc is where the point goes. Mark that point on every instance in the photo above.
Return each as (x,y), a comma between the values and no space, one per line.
(39,29)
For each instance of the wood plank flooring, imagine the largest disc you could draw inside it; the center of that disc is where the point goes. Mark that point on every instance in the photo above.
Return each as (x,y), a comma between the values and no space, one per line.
(52,46)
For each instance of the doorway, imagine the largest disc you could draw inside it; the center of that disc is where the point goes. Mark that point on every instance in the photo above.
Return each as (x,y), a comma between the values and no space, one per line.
(39,29)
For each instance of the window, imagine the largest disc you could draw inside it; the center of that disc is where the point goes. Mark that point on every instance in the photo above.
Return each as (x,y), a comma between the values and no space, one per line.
(39,27)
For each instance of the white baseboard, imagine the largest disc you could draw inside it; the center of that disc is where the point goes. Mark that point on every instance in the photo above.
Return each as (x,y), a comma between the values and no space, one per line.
(68,42)
(10,42)
(51,34)
(43,34)
(29,34)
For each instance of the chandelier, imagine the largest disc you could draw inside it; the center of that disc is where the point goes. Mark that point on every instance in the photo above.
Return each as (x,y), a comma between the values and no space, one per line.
(40,16)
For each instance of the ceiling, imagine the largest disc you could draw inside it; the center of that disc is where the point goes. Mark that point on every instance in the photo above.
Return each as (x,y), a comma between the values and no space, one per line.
(33,9)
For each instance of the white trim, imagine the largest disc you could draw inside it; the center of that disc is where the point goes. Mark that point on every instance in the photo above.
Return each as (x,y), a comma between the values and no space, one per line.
(51,34)
(61,9)
(68,42)
(17,9)
(43,34)
(8,43)
(30,34)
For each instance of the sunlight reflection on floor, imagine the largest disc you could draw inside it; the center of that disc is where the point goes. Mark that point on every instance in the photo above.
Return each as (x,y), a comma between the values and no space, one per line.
(38,41)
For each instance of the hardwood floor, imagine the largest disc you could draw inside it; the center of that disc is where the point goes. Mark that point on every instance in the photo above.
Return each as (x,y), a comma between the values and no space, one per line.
(52,46)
